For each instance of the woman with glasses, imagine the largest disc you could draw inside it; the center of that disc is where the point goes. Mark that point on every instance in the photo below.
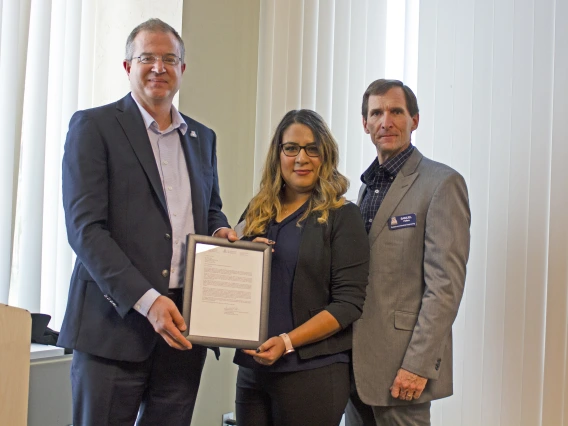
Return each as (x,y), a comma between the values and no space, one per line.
(300,375)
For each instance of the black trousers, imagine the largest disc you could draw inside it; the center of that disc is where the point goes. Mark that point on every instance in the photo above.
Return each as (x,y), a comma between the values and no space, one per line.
(159,391)
(304,398)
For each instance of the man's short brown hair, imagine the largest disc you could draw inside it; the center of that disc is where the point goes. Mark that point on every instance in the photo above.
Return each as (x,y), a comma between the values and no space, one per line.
(152,25)
(382,86)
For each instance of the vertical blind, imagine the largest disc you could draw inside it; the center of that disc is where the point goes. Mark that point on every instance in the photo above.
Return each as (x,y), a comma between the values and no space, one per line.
(491,81)
(12,69)
(492,93)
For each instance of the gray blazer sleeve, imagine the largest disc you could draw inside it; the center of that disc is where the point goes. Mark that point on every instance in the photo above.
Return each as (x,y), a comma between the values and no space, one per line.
(446,250)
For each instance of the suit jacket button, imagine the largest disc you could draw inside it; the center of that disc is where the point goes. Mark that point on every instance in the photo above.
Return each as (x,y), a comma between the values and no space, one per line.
(165,273)
(168,237)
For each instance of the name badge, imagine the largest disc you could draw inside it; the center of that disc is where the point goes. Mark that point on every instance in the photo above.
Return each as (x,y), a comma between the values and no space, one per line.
(404,221)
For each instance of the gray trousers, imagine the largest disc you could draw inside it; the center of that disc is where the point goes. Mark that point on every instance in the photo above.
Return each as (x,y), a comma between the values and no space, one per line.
(357,413)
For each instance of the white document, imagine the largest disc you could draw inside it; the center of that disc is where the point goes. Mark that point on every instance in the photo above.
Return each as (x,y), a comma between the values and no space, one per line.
(227,289)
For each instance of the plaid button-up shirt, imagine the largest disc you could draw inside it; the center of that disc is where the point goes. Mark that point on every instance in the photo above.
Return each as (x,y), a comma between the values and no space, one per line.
(379,178)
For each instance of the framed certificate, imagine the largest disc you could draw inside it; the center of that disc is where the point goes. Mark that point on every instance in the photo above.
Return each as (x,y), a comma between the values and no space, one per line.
(226,292)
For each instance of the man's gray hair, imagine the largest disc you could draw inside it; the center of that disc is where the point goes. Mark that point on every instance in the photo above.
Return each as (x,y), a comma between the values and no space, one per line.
(152,25)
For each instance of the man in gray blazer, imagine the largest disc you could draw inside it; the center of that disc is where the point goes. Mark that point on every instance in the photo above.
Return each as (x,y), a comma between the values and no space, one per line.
(417,215)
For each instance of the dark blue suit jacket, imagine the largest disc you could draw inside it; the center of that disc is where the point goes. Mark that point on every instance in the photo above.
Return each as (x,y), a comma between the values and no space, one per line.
(118,225)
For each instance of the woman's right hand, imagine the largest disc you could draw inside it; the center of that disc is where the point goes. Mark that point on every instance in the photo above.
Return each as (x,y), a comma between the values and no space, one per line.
(269,352)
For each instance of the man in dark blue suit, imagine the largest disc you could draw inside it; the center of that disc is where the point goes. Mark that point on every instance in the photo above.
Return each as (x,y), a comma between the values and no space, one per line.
(138,176)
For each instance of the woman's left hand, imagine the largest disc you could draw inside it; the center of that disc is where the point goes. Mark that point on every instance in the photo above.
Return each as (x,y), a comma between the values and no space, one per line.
(269,352)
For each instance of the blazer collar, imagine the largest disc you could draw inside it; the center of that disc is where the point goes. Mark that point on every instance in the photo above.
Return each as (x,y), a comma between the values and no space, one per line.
(400,186)
(129,117)
(192,147)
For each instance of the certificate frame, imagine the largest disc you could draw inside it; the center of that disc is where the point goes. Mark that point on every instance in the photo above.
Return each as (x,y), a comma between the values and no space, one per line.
(192,303)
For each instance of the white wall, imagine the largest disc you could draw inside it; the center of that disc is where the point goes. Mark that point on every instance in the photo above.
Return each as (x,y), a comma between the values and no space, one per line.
(219,87)
(219,90)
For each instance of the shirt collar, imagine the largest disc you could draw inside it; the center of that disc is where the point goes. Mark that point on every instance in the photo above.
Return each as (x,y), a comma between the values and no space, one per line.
(391,167)
(149,122)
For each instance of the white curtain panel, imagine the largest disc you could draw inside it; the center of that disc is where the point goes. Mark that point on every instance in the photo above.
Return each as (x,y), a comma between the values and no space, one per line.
(492,90)
(492,86)
(13,34)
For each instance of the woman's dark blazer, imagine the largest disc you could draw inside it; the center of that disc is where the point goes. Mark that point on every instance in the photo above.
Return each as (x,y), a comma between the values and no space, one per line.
(331,274)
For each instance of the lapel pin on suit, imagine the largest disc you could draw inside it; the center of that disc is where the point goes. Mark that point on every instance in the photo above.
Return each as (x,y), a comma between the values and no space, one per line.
(193,134)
